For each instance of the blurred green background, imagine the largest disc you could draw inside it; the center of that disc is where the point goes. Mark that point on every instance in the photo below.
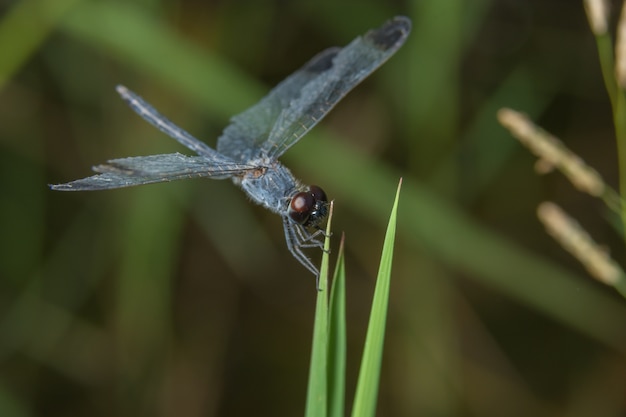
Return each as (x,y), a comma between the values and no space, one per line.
(181,299)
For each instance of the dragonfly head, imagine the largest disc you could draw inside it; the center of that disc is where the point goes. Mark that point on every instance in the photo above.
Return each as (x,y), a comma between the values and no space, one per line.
(309,208)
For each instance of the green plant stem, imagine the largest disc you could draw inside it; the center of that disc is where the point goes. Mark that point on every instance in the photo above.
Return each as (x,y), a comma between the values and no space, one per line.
(618,104)
(317,389)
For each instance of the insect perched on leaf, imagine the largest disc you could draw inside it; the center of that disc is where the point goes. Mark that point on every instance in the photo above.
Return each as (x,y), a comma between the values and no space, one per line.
(249,148)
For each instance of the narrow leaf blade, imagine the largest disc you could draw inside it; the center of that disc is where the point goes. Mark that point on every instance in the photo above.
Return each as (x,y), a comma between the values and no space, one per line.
(369,375)
(316,401)
(337,339)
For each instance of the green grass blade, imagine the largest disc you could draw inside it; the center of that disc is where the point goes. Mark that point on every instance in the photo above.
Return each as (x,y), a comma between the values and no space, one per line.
(337,339)
(369,375)
(607,65)
(151,228)
(618,103)
(24,28)
(317,389)
(130,35)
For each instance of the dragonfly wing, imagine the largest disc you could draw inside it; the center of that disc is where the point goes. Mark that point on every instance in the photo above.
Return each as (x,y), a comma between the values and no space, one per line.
(138,170)
(349,67)
(152,116)
(298,103)
(243,138)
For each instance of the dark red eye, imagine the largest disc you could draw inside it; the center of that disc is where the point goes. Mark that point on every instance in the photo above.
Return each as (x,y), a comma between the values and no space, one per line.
(301,206)
(309,208)
(318,193)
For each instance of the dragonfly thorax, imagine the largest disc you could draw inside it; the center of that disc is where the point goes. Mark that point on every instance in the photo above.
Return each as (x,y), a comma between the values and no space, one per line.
(270,187)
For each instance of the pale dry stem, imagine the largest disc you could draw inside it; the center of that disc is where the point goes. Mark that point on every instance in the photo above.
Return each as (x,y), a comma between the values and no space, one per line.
(552,153)
(569,234)
(620,50)
(597,13)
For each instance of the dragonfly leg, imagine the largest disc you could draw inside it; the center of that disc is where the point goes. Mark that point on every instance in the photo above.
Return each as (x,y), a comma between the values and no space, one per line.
(294,236)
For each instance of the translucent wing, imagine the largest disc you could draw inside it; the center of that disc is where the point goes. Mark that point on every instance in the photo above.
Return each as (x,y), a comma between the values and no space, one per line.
(303,99)
(138,170)
(241,139)
(149,113)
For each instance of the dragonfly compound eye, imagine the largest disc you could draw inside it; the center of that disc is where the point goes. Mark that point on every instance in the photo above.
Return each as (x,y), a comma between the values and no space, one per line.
(318,194)
(320,209)
(309,208)
(301,206)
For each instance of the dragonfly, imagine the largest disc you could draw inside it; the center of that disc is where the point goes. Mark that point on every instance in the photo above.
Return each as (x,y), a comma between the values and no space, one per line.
(248,149)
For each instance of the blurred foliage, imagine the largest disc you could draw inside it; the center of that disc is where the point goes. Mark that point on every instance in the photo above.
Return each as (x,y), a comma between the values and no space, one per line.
(181,299)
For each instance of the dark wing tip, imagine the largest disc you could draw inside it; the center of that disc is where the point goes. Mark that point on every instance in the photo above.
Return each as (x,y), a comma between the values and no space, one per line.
(322,61)
(391,34)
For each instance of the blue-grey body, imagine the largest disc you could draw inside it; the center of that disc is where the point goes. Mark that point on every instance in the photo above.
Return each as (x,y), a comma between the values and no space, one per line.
(271,186)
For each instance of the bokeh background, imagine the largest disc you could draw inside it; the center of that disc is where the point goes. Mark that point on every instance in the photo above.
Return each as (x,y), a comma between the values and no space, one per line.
(181,299)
